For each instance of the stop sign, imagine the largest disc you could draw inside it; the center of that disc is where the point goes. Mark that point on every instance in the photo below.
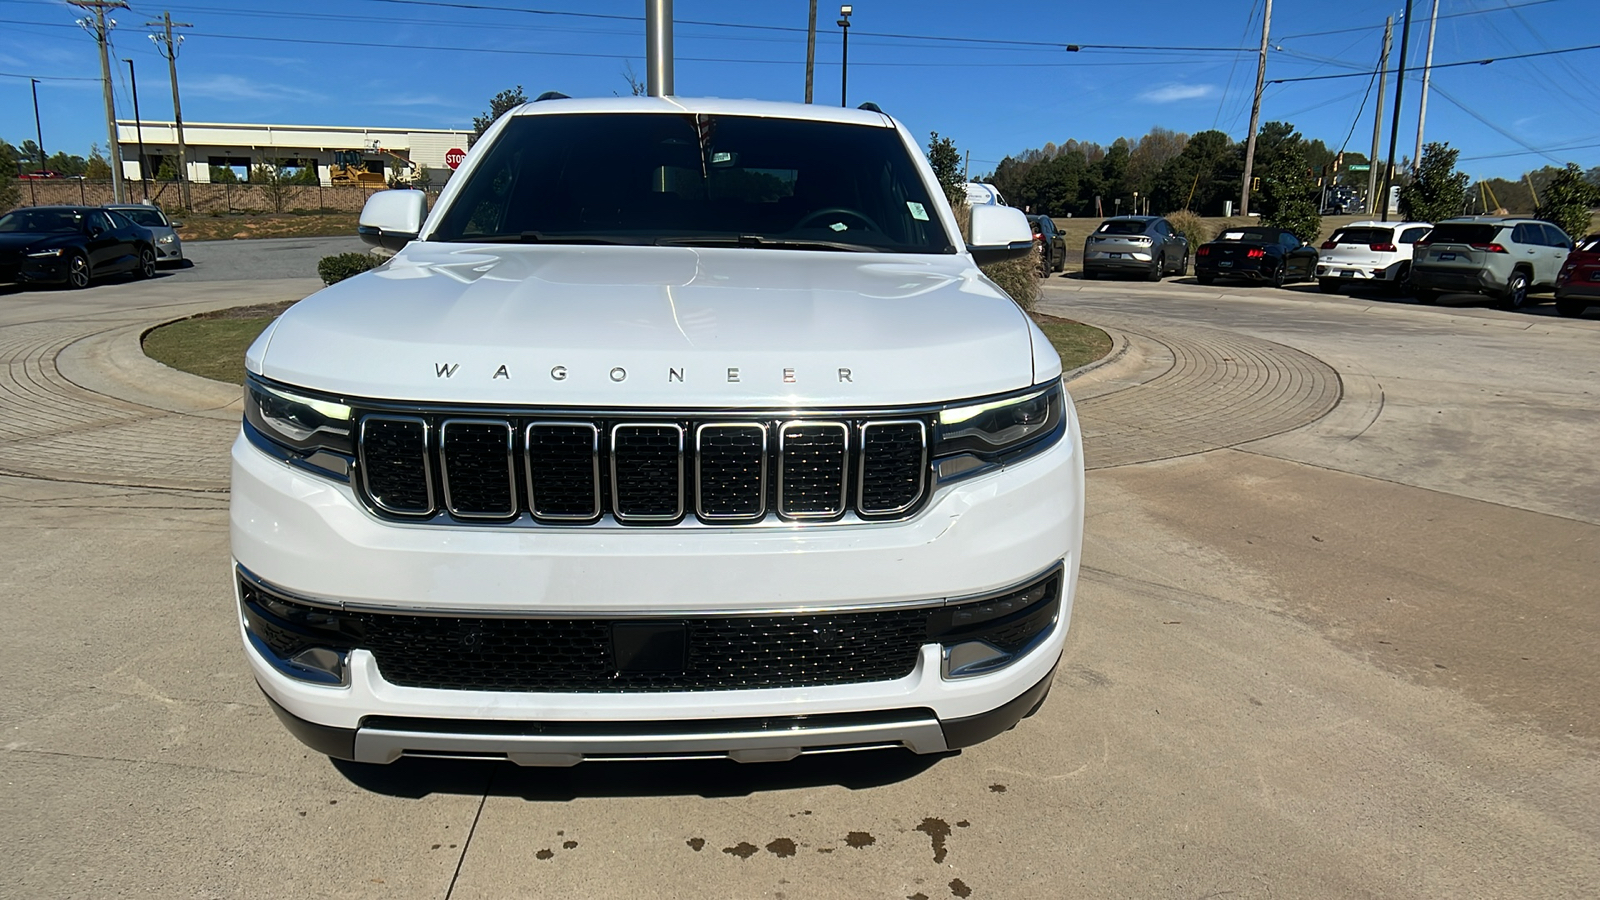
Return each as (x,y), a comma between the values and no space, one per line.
(454,158)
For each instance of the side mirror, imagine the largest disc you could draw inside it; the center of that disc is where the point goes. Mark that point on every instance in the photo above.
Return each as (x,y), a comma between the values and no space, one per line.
(999,233)
(392,219)
(175,225)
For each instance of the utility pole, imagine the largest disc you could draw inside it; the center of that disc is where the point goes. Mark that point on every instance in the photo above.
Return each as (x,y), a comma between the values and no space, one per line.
(966,166)
(1394,130)
(99,27)
(138,129)
(38,131)
(844,71)
(1255,113)
(168,46)
(1427,70)
(811,48)
(1377,120)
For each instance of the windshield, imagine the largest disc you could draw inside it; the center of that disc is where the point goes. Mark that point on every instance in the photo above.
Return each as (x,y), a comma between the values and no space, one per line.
(40,221)
(674,178)
(1124,226)
(147,216)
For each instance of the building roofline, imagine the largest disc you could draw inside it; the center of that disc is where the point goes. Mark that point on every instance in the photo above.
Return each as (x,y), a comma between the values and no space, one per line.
(168,123)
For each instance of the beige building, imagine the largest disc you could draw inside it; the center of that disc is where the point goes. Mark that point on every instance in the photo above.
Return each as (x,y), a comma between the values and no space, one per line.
(215,146)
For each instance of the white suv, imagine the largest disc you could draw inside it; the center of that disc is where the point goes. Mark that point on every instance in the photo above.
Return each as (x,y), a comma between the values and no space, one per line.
(676,428)
(1369,253)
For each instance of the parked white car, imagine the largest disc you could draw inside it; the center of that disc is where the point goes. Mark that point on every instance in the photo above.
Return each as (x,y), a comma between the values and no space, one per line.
(677,428)
(1369,254)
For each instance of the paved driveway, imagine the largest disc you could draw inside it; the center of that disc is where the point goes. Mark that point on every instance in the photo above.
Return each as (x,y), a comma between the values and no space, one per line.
(1335,638)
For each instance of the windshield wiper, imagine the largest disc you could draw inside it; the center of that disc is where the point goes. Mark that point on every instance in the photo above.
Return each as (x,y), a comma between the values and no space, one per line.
(756,240)
(540,237)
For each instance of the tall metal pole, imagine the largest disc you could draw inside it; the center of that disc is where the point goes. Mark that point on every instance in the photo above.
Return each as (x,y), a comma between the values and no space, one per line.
(811,48)
(38,131)
(844,70)
(138,129)
(168,46)
(100,29)
(658,47)
(1377,120)
(1427,70)
(1255,113)
(1394,129)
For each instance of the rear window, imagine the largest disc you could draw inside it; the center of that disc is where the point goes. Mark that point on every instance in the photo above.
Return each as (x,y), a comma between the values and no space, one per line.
(1364,236)
(1590,244)
(1122,227)
(1255,235)
(1463,233)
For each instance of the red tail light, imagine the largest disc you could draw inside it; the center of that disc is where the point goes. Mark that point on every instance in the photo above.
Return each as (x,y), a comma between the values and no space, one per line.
(1489,248)
(1255,253)
(1203,251)
(1329,245)
(1384,248)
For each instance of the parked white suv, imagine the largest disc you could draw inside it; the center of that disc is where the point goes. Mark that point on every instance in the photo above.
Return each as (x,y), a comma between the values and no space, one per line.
(676,428)
(1369,253)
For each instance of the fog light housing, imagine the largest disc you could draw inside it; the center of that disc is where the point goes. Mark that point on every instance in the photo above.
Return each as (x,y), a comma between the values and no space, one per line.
(302,642)
(990,633)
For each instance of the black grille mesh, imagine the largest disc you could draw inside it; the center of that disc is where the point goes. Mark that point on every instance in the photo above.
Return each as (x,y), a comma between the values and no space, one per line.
(813,469)
(892,467)
(394,456)
(561,470)
(647,464)
(477,468)
(731,458)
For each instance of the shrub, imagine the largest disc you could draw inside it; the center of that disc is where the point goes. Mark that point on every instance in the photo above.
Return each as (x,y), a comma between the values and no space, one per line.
(1438,191)
(1189,224)
(340,266)
(1567,202)
(1018,277)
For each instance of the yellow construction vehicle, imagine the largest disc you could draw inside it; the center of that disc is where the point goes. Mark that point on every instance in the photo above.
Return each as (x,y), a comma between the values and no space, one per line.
(349,167)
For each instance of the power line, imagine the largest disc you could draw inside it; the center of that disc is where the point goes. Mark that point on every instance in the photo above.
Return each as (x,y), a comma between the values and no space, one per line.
(1501,131)
(1455,15)
(1510,153)
(1449,65)
(46,77)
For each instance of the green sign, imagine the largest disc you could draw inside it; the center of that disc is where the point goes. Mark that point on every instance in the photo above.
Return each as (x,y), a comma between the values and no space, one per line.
(1359,167)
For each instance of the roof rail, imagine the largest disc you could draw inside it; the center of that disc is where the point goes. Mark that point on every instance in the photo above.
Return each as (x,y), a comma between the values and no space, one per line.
(869,106)
(551,95)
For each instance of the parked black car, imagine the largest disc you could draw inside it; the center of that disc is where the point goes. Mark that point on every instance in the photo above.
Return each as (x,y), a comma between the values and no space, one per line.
(72,245)
(1141,245)
(1052,245)
(1259,254)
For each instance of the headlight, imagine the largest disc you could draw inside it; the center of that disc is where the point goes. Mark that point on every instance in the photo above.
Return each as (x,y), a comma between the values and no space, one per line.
(981,435)
(315,431)
(41,254)
(166,239)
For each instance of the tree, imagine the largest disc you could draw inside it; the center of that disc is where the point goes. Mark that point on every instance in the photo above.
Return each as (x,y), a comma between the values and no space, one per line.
(97,169)
(1566,202)
(946,162)
(9,190)
(1199,178)
(280,183)
(66,164)
(503,102)
(1288,197)
(1438,191)
(32,155)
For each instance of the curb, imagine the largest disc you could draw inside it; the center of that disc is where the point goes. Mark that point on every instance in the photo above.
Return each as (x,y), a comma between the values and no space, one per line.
(113,363)
(1119,348)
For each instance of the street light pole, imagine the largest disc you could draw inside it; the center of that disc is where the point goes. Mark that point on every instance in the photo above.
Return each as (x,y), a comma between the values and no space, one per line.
(100,27)
(138,129)
(811,48)
(38,132)
(167,46)
(844,71)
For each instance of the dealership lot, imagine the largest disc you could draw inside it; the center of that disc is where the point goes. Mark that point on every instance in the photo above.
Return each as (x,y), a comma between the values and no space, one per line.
(1335,638)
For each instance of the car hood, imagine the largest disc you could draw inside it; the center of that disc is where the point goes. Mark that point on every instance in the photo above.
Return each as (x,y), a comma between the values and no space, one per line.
(657,327)
(22,240)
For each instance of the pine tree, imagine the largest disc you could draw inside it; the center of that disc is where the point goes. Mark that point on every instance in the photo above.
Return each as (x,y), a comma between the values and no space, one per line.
(1438,191)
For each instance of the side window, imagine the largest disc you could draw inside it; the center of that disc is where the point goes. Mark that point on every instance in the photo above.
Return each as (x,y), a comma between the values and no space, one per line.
(1288,240)
(1555,237)
(100,220)
(1524,234)
(1412,235)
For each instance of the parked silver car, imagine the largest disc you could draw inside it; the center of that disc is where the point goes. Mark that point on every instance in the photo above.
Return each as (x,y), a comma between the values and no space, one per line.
(1141,245)
(169,248)
(1504,258)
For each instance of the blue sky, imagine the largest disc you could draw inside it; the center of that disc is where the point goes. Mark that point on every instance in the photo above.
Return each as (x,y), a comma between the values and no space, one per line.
(258,61)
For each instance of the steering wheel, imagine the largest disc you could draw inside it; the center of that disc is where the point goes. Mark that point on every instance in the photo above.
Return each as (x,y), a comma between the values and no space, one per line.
(838,211)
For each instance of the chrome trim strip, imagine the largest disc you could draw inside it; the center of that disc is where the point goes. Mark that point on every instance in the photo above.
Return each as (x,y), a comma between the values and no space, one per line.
(594,456)
(699,482)
(616,501)
(844,468)
(922,469)
(919,735)
(479,613)
(511,468)
(427,468)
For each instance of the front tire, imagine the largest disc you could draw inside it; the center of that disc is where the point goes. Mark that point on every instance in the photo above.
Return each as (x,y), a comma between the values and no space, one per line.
(78,272)
(1061,263)
(147,265)
(1183,267)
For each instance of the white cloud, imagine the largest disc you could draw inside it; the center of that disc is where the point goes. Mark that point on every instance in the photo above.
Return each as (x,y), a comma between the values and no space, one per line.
(232,87)
(1172,93)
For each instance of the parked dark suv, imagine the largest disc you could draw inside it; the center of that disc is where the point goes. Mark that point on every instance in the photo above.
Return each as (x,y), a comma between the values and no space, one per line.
(1504,258)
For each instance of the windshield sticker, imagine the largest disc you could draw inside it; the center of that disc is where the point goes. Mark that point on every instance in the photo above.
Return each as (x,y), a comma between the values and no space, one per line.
(918,212)
(839,226)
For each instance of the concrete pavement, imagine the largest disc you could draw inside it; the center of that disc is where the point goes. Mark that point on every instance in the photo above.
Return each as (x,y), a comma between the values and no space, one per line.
(1335,638)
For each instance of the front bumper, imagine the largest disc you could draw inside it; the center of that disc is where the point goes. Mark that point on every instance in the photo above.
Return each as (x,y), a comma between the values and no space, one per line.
(312,536)
(40,270)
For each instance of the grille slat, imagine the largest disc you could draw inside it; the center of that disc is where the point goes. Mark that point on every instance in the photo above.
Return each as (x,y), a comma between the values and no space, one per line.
(563,460)
(647,472)
(394,464)
(478,476)
(812,469)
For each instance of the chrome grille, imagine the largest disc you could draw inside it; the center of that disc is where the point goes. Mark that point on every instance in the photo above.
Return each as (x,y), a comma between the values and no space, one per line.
(481,467)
